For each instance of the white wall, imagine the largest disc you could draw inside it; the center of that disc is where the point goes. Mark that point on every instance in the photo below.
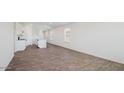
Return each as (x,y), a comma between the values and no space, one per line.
(28,34)
(105,40)
(6,44)
(37,32)
(18,29)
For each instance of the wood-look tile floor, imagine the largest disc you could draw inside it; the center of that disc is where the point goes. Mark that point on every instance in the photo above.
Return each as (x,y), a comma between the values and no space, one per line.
(55,58)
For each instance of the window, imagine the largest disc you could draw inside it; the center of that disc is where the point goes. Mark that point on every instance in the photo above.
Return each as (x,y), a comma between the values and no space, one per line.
(67,33)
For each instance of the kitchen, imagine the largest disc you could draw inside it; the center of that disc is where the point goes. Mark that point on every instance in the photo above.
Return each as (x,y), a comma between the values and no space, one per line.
(28,34)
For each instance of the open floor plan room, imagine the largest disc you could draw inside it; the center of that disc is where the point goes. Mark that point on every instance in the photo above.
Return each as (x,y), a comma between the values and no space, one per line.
(62,46)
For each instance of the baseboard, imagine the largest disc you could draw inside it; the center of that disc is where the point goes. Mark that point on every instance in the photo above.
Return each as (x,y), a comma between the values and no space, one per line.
(4,68)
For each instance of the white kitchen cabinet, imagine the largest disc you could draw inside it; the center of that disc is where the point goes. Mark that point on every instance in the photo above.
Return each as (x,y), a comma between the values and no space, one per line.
(42,43)
(20,45)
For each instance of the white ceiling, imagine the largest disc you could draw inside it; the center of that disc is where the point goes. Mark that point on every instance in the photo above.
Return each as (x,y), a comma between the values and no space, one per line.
(46,25)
